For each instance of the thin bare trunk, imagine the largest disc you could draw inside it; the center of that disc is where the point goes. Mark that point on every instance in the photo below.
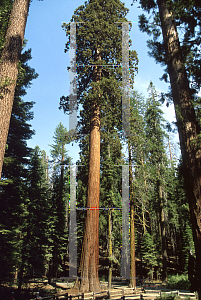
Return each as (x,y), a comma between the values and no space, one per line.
(163,235)
(62,170)
(46,169)
(110,250)
(132,226)
(9,68)
(170,150)
(188,127)
(110,233)
(143,206)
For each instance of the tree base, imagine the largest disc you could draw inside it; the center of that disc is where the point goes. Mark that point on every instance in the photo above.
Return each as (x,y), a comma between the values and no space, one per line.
(85,285)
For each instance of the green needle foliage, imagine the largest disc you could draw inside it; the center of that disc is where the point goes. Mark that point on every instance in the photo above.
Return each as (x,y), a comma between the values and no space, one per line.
(99,31)
(59,200)
(13,191)
(149,254)
(158,189)
(38,209)
(5,9)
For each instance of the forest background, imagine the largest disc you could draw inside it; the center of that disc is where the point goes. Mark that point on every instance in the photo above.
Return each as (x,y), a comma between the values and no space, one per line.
(36,238)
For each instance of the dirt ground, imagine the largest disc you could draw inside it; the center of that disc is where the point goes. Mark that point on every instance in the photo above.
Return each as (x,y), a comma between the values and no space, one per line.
(61,288)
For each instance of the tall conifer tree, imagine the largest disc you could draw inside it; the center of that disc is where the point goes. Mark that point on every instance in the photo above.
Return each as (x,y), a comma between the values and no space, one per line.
(155,135)
(171,54)
(99,42)
(35,229)
(60,198)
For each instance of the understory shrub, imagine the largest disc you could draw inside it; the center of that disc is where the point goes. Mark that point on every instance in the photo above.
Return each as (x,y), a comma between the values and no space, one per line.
(178,282)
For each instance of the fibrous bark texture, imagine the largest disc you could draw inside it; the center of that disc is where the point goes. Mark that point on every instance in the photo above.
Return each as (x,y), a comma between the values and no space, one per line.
(188,127)
(9,67)
(90,248)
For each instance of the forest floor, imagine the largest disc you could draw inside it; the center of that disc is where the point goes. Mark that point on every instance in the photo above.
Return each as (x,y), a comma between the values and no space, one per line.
(62,288)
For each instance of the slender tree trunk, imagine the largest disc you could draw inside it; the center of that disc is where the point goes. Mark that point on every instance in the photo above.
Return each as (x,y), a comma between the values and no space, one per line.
(143,206)
(163,236)
(49,271)
(62,176)
(67,214)
(170,151)
(188,127)
(110,250)
(9,67)
(110,233)
(20,276)
(90,248)
(46,169)
(132,226)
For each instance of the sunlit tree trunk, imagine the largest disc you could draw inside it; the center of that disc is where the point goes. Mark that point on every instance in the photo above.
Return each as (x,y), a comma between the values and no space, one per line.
(110,249)
(9,67)
(188,128)
(163,235)
(132,226)
(90,248)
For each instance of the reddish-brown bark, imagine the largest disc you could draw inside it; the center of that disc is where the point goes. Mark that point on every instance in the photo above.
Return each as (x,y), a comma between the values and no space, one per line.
(9,67)
(188,127)
(90,248)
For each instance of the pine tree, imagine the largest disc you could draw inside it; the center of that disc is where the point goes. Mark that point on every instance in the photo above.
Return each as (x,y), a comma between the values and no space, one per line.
(35,238)
(136,146)
(98,43)
(13,184)
(111,157)
(157,159)
(149,254)
(186,237)
(60,199)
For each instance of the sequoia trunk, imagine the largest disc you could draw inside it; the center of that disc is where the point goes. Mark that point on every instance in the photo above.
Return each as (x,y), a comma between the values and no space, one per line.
(90,249)
(9,67)
(188,128)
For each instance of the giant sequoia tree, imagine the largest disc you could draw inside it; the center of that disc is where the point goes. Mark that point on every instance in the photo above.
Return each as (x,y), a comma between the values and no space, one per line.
(9,67)
(170,53)
(99,42)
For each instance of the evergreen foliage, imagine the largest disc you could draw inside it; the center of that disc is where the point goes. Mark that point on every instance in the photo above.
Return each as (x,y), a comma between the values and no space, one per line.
(152,170)
(13,191)
(99,19)
(59,200)
(5,9)
(149,254)
(38,209)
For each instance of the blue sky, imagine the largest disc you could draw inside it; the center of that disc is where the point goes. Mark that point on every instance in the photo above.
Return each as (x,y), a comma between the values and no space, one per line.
(47,40)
